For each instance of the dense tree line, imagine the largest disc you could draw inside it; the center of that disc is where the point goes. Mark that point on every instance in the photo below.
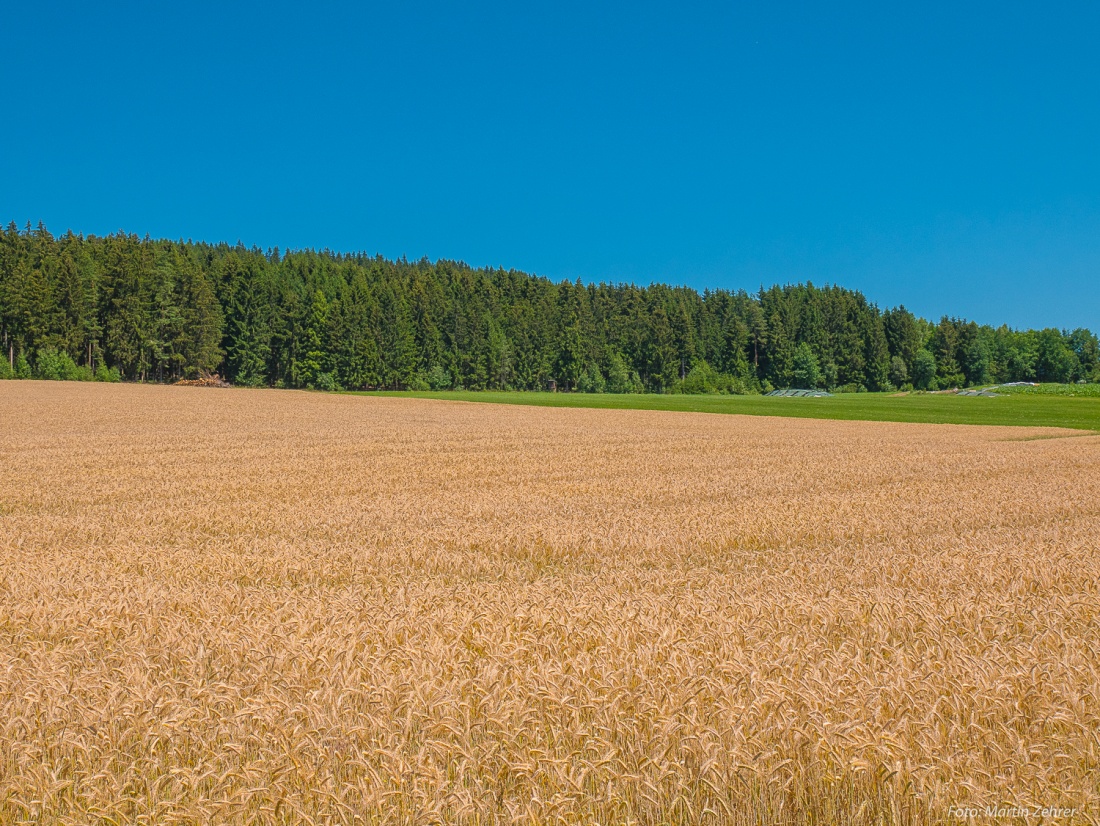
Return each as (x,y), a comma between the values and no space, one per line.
(141,309)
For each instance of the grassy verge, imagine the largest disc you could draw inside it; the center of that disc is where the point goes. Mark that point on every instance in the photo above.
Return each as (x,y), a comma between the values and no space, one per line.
(1025,410)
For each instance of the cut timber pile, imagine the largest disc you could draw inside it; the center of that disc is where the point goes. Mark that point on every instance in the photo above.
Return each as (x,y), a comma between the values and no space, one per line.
(204,380)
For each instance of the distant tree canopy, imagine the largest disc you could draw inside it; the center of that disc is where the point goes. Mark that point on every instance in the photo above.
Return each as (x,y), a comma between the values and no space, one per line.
(139,309)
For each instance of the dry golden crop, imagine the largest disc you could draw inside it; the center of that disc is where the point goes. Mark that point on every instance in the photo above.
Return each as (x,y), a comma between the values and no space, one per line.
(235,606)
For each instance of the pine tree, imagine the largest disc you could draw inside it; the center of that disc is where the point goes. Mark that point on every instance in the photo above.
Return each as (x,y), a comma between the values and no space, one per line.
(314,369)
(353,325)
(247,334)
(203,321)
(397,343)
(131,322)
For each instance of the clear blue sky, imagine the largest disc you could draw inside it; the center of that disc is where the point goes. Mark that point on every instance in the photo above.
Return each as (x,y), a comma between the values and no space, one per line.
(945,156)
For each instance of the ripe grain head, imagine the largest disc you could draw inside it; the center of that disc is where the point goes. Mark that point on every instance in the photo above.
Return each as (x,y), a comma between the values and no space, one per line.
(261,606)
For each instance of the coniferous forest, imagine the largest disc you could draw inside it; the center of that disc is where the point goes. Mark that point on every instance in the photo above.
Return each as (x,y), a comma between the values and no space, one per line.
(123,307)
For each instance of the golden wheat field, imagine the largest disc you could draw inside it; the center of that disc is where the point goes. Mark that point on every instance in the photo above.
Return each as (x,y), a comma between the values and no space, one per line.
(238,607)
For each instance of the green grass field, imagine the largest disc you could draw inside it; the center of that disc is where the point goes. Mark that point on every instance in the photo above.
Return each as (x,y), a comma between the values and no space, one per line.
(1020,409)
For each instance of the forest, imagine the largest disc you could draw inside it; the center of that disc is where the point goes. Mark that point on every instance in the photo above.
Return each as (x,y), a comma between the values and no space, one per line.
(121,307)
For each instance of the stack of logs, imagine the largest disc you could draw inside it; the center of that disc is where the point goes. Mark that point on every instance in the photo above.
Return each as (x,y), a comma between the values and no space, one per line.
(204,380)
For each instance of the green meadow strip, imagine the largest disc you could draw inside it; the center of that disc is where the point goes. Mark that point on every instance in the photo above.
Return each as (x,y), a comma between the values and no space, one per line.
(1020,410)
